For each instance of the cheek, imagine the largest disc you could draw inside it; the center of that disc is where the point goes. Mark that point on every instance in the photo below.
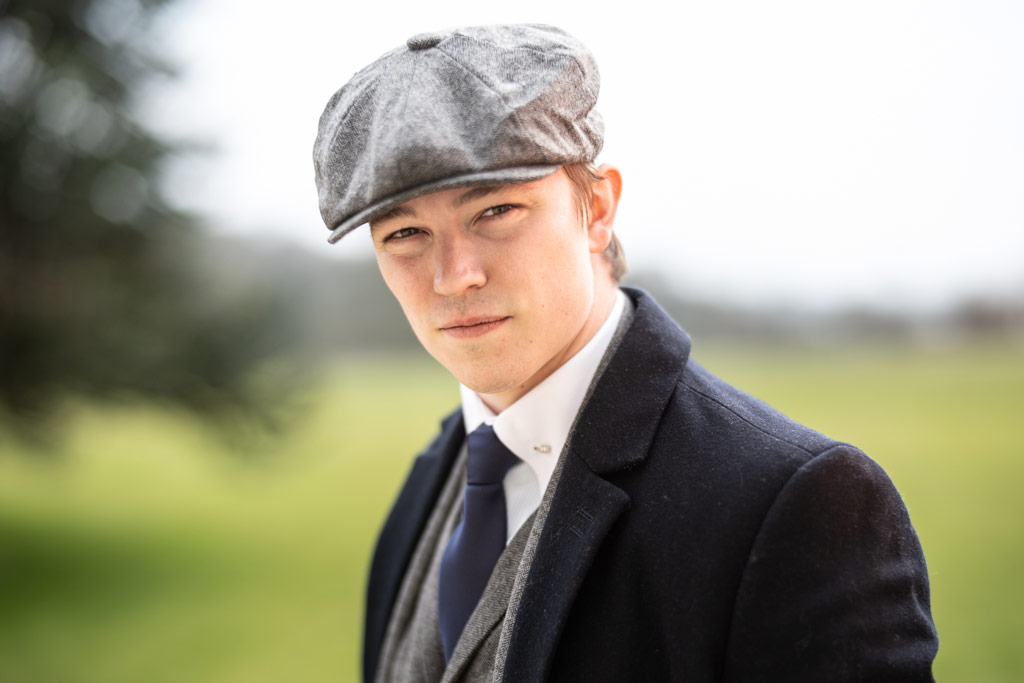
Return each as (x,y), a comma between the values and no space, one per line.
(562,284)
(404,283)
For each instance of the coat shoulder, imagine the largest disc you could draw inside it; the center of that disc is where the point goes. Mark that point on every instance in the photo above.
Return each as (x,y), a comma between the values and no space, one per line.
(762,427)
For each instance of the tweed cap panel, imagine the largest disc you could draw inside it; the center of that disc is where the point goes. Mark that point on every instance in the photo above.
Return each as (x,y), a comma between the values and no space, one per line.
(480,105)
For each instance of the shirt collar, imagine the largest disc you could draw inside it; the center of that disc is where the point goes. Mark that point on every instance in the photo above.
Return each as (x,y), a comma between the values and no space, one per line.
(537,426)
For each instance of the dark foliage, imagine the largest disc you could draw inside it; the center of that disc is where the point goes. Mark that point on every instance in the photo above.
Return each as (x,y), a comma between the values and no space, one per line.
(98,293)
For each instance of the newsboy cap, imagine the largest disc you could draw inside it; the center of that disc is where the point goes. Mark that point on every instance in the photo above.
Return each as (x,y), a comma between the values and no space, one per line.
(470,106)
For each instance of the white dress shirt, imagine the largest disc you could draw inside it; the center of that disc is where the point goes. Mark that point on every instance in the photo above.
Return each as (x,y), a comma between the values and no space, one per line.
(537,426)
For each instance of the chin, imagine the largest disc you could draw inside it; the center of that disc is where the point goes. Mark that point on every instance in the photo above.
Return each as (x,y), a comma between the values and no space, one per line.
(486,385)
(489,379)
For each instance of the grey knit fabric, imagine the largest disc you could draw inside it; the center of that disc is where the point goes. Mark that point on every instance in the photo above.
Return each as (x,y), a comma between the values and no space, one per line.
(412,651)
(471,106)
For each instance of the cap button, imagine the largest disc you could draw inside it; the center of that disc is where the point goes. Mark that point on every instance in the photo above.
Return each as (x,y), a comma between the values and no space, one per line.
(423,41)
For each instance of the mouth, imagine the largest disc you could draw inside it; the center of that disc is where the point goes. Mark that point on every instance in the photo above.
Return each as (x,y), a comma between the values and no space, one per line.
(473,327)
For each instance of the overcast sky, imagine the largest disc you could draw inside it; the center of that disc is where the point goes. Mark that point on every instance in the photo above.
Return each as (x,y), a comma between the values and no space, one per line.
(818,153)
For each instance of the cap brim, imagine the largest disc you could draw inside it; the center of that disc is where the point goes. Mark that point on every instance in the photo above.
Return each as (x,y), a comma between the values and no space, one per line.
(501,176)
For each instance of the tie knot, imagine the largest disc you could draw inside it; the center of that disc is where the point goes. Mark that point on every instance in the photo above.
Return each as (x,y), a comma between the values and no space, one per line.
(489,459)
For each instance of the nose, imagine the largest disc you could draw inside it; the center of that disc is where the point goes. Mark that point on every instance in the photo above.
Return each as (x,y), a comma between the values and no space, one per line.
(458,266)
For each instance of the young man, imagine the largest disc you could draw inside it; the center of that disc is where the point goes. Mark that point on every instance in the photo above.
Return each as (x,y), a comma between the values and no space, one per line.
(601,508)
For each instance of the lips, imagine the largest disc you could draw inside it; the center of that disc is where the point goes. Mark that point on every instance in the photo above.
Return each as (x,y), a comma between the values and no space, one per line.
(476,326)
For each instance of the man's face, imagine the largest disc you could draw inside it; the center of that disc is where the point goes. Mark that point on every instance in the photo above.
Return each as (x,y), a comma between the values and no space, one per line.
(498,283)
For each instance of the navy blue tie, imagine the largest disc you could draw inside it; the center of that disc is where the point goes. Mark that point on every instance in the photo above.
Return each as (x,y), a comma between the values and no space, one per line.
(478,539)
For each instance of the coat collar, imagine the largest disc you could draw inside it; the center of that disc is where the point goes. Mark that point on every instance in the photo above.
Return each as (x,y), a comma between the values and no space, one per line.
(614,432)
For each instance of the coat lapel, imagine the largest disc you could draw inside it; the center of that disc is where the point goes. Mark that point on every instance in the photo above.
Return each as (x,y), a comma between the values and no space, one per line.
(402,530)
(580,518)
(613,432)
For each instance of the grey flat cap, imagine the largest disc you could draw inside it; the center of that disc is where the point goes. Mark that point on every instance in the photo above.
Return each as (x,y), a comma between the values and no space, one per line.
(470,106)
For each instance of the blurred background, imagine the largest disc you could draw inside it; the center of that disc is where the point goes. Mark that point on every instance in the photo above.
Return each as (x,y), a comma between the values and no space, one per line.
(205,410)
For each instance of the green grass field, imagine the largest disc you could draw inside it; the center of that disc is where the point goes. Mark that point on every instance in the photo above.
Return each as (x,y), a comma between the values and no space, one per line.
(149,550)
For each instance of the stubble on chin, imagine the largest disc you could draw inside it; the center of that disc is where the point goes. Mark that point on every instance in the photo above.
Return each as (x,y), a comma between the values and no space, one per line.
(486,374)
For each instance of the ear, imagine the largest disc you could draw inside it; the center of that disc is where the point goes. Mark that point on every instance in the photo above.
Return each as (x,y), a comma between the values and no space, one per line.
(603,208)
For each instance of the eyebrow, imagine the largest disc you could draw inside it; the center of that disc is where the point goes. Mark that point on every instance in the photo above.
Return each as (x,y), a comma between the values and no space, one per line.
(476,193)
(466,197)
(396,212)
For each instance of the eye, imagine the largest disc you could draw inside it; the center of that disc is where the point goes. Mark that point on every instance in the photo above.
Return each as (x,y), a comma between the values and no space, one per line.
(497,210)
(401,234)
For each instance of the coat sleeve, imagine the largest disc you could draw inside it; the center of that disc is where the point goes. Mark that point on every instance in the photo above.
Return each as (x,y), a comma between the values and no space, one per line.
(835,588)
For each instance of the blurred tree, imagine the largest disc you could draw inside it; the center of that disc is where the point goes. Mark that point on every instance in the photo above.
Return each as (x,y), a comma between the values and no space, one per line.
(97,291)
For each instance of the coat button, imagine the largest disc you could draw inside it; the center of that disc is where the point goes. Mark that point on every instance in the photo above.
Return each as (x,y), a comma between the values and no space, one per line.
(423,41)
